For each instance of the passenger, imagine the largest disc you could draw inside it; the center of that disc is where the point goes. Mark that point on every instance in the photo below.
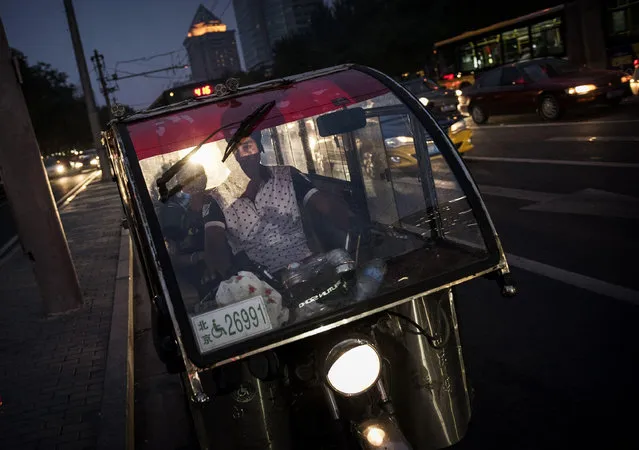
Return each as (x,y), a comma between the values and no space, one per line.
(258,211)
(183,224)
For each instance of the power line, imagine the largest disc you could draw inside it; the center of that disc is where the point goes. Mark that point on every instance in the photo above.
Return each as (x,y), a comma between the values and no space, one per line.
(142,74)
(225,8)
(148,58)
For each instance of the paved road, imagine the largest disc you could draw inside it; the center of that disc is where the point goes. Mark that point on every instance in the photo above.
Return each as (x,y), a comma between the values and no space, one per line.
(556,367)
(59,186)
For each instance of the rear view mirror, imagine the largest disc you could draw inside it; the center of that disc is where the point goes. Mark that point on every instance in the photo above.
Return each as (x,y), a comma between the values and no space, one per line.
(339,122)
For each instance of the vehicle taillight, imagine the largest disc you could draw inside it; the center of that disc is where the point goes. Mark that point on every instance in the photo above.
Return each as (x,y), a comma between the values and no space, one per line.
(636,63)
(448,76)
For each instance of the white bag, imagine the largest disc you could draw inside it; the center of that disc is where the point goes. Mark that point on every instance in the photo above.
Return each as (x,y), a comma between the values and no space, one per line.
(246,285)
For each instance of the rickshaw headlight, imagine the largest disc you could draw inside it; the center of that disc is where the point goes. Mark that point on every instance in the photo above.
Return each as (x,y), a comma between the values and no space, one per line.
(353,367)
(424,101)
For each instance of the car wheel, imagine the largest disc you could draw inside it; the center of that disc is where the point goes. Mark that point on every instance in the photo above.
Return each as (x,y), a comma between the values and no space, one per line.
(549,108)
(478,114)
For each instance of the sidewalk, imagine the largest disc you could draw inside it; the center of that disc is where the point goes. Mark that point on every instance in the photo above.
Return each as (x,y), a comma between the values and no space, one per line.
(52,370)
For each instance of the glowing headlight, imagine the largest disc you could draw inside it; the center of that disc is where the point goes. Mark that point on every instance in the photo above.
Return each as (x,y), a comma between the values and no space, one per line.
(353,367)
(59,168)
(458,126)
(375,436)
(94,162)
(580,90)
(458,92)
(76,165)
(424,101)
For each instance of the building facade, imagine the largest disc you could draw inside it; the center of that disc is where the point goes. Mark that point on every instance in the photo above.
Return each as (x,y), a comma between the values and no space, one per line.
(212,49)
(262,23)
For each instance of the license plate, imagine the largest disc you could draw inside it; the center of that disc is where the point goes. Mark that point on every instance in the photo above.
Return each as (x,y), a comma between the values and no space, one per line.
(447,108)
(232,323)
(614,94)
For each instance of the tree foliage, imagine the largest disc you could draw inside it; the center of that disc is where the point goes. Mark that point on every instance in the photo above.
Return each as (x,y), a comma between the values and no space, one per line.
(56,107)
(393,36)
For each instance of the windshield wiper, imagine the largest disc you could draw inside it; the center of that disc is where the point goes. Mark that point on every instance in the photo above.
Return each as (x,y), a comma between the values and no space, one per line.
(175,168)
(247,126)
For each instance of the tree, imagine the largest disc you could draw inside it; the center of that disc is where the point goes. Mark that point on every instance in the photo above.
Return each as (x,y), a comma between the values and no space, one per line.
(58,115)
(56,108)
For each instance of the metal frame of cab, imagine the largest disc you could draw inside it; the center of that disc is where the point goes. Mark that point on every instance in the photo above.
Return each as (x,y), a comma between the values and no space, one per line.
(163,285)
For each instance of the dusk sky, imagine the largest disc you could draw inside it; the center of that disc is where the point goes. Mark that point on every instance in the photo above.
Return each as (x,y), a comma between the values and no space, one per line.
(121,30)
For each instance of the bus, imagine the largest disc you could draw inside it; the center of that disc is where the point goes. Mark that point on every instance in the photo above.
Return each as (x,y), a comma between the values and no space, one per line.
(539,34)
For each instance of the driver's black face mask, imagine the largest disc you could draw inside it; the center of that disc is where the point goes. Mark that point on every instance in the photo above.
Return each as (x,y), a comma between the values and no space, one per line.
(250,164)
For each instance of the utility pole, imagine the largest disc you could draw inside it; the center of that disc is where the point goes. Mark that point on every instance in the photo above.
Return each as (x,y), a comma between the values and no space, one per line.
(30,197)
(98,60)
(88,91)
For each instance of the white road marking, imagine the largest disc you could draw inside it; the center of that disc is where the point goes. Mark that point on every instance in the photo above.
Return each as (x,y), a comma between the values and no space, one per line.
(60,203)
(518,194)
(575,279)
(593,202)
(553,124)
(594,139)
(559,162)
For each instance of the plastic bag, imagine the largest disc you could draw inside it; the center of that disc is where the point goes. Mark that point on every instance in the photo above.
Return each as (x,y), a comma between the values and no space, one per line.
(247,285)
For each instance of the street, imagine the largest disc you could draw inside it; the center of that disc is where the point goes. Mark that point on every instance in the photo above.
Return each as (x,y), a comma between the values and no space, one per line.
(555,367)
(59,186)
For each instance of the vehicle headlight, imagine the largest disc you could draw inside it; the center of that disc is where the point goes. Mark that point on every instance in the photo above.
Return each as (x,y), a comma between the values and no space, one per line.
(458,126)
(626,78)
(353,366)
(582,89)
(76,165)
(59,168)
(375,436)
(94,162)
(458,92)
(424,101)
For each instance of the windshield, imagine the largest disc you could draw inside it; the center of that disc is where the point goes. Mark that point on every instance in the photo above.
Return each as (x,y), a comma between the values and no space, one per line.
(549,69)
(320,209)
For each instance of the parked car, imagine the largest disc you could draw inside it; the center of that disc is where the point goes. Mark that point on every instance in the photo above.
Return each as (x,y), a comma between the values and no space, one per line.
(436,98)
(549,86)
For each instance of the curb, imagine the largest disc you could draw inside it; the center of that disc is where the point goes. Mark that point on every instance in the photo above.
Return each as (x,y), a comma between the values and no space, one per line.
(7,249)
(117,411)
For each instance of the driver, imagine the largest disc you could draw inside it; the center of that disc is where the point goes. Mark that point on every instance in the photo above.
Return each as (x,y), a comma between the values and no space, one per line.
(258,210)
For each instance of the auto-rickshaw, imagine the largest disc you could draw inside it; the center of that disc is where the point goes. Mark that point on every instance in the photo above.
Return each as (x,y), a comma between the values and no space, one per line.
(307,298)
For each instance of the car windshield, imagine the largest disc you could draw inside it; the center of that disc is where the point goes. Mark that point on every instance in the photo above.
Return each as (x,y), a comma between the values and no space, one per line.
(320,210)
